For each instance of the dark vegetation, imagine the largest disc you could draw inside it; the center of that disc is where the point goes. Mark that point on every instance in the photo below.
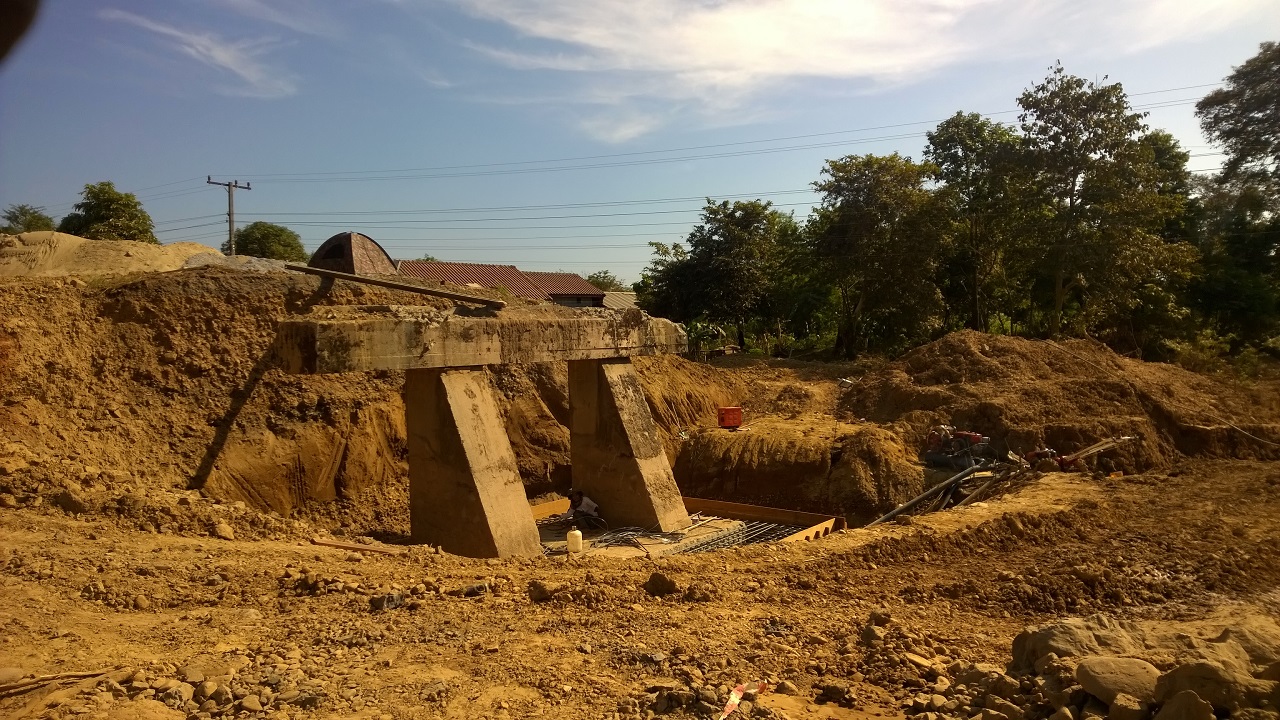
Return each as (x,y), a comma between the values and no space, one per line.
(1078,220)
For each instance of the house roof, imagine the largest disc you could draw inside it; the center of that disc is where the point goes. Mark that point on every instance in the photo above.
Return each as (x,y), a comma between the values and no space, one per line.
(353,252)
(507,277)
(557,283)
(619,300)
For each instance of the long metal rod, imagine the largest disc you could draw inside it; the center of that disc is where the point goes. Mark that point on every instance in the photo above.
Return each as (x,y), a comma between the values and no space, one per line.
(955,480)
(395,285)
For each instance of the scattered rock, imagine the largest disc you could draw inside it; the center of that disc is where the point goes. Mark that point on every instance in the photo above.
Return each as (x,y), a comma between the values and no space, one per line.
(1127,707)
(1107,677)
(11,674)
(71,501)
(786,687)
(539,591)
(8,501)
(659,584)
(1076,637)
(224,531)
(191,675)
(251,703)
(1209,681)
(1185,705)
(386,601)
(699,592)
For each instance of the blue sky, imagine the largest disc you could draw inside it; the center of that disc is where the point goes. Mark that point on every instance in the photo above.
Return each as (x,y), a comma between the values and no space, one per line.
(558,134)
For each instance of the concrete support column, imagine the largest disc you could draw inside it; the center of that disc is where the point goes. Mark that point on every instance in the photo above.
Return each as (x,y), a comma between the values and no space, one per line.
(616,451)
(465,493)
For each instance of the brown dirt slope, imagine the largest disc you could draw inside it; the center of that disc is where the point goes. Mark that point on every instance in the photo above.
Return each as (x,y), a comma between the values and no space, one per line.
(1068,394)
(47,253)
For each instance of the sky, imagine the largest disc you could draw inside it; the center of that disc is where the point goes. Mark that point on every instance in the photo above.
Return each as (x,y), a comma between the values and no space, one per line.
(548,134)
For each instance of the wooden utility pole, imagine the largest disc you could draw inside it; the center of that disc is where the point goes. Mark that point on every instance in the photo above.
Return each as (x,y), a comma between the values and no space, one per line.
(231,208)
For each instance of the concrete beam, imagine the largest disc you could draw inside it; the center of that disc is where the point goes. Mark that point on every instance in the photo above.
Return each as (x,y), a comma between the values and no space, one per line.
(404,338)
(465,493)
(615,448)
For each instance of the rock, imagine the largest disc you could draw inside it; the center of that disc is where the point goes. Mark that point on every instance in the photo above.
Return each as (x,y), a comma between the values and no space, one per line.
(142,602)
(936,702)
(191,675)
(1271,672)
(745,708)
(872,634)
(879,618)
(179,695)
(71,501)
(988,714)
(1004,707)
(11,674)
(659,584)
(835,692)
(252,703)
(224,531)
(1063,713)
(222,695)
(539,591)
(1076,637)
(387,601)
(1185,705)
(786,687)
(1254,714)
(1209,681)
(1127,707)
(1107,677)
(1093,708)
(8,501)
(205,689)
(1003,686)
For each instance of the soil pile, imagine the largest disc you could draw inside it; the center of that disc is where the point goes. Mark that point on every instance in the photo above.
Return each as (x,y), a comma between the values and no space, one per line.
(1067,395)
(48,253)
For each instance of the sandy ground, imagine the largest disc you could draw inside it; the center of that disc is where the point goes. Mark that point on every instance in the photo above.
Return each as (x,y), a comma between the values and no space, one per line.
(95,592)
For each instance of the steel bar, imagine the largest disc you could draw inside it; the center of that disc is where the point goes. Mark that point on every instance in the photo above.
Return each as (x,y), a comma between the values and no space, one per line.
(940,487)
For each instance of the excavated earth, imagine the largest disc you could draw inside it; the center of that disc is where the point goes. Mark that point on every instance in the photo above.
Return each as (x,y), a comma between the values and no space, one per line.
(161,481)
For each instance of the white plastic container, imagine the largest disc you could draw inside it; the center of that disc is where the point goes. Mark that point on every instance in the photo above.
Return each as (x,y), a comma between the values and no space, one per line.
(574,540)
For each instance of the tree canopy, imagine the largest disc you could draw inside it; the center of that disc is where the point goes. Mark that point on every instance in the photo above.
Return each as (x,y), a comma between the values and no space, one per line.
(606,281)
(268,240)
(105,213)
(1244,116)
(25,218)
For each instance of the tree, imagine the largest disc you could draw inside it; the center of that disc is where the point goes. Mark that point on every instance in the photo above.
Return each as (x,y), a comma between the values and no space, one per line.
(876,235)
(25,218)
(1095,201)
(1244,116)
(105,213)
(428,257)
(606,281)
(268,240)
(976,162)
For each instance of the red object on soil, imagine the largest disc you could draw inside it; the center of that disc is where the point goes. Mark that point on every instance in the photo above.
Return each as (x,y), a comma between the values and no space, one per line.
(730,417)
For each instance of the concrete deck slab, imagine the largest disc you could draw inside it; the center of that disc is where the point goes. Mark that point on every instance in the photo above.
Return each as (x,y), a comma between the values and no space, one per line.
(465,493)
(402,338)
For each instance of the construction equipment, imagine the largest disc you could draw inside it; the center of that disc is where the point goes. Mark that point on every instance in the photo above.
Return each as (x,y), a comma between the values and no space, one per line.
(954,449)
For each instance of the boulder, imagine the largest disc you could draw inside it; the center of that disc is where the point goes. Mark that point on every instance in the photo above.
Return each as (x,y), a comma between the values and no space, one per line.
(1107,677)
(1185,705)
(1076,637)
(1127,707)
(1209,681)
(659,584)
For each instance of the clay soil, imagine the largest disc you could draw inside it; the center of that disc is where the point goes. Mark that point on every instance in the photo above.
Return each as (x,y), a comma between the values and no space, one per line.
(161,483)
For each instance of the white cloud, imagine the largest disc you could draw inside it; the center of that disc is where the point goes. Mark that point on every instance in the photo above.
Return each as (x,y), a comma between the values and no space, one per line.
(301,16)
(717,55)
(243,59)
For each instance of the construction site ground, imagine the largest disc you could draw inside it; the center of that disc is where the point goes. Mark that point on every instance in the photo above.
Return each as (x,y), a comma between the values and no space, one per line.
(161,485)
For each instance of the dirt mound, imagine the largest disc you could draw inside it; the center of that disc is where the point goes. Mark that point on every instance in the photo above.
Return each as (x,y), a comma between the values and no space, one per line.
(1068,395)
(48,253)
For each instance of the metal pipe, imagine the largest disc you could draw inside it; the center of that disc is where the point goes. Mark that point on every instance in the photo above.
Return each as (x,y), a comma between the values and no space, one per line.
(956,479)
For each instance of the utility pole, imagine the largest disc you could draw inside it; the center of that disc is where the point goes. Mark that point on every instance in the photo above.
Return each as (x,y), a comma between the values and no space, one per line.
(231,208)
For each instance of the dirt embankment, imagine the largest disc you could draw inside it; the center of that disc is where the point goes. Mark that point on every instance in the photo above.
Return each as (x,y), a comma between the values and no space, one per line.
(51,254)
(166,380)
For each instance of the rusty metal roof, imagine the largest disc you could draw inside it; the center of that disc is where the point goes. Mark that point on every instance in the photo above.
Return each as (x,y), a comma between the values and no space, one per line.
(507,277)
(619,300)
(558,283)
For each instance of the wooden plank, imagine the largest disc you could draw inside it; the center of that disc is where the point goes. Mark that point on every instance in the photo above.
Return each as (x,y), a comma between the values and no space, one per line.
(406,287)
(547,509)
(357,547)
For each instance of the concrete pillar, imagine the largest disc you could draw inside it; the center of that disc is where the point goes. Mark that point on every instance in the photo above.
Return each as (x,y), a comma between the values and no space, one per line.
(615,448)
(465,493)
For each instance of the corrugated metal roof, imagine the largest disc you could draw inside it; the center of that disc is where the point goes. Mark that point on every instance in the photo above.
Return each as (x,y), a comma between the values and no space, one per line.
(507,277)
(619,300)
(556,283)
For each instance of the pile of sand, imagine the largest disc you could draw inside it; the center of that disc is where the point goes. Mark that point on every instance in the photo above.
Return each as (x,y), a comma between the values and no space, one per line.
(47,253)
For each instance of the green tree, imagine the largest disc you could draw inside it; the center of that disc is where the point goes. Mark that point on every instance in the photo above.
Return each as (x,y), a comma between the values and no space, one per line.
(25,218)
(429,257)
(667,287)
(606,281)
(977,164)
(876,237)
(1095,201)
(268,240)
(105,213)
(1244,116)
